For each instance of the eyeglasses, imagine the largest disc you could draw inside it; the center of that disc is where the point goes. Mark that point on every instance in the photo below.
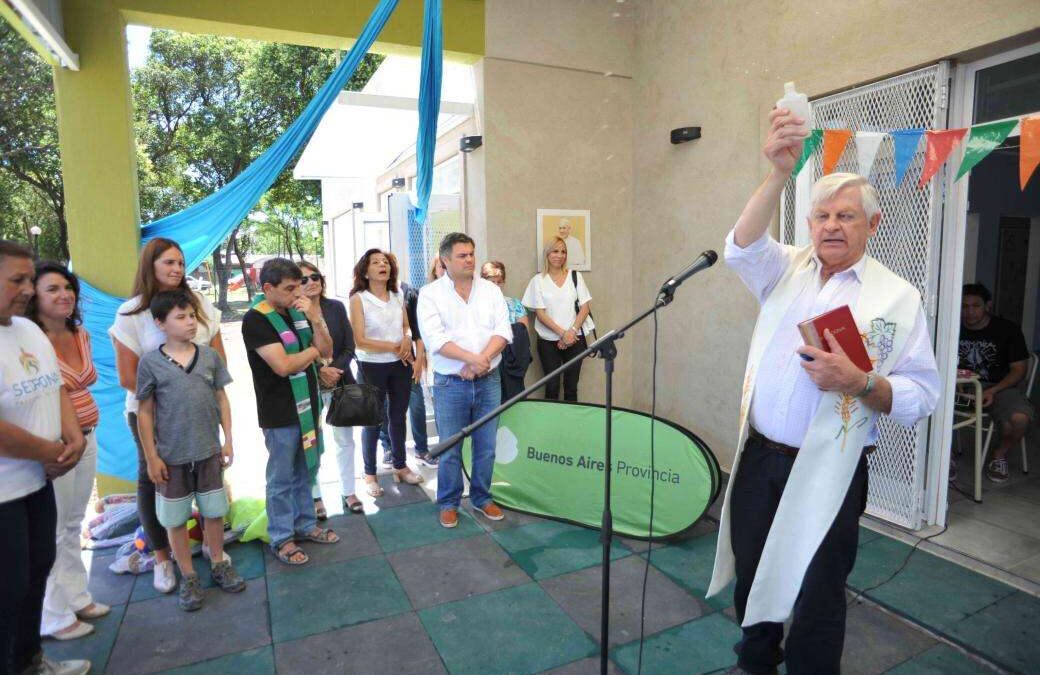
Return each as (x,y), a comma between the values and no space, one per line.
(310,277)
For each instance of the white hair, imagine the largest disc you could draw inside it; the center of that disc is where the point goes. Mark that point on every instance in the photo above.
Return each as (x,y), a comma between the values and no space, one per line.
(828,186)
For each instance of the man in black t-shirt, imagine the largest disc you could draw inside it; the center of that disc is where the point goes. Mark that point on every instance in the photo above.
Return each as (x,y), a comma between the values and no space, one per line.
(290,509)
(995,350)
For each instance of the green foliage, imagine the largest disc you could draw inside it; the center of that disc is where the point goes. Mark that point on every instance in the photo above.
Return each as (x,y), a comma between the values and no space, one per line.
(31,191)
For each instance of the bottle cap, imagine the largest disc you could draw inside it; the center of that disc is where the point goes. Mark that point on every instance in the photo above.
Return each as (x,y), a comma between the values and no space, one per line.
(789,88)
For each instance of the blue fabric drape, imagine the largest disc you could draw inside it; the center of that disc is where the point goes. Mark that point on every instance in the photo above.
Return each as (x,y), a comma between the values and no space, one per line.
(429,106)
(201,227)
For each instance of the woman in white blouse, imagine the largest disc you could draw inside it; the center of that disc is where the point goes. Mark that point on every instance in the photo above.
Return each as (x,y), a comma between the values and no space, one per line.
(134,334)
(560,301)
(384,349)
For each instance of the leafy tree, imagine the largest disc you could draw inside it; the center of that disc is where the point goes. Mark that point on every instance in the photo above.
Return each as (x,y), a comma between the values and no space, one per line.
(206,107)
(31,191)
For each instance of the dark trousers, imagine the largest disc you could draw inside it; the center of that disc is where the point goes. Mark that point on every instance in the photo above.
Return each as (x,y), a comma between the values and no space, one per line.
(513,385)
(553,357)
(27,549)
(153,530)
(395,380)
(416,417)
(817,636)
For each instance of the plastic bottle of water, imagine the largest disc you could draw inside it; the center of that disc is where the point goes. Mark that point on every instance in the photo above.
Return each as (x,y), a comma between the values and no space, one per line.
(795,102)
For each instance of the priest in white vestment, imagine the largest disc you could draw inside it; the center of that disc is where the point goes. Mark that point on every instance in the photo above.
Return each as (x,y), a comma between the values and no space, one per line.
(808,419)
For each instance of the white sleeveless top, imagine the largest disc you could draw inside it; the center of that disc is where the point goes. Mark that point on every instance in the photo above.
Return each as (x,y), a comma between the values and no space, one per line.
(383,321)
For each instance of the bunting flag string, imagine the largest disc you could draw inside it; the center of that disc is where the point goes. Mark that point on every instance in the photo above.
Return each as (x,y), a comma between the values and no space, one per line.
(940,144)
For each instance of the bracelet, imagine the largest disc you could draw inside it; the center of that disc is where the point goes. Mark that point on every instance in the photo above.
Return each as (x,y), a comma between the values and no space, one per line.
(868,387)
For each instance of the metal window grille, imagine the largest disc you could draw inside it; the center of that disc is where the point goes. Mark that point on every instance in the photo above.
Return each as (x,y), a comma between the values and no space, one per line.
(907,242)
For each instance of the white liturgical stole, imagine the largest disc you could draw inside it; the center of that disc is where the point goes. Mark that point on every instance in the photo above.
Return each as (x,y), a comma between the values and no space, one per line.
(885,313)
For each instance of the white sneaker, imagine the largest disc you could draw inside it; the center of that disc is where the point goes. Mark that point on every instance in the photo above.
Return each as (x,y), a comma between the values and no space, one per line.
(48,667)
(163,577)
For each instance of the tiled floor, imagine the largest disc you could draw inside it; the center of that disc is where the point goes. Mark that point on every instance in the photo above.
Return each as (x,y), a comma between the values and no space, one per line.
(1004,530)
(402,595)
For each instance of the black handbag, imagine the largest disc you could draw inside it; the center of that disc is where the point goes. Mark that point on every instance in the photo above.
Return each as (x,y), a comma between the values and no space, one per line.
(577,309)
(355,405)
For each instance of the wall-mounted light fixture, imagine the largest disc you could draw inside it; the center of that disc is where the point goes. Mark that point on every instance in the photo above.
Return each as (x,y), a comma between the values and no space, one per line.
(683,134)
(397,183)
(470,143)
(358,205)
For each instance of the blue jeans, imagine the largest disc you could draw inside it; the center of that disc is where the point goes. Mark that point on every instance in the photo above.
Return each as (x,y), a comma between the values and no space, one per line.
(416,418)
(456,403)
(290,507)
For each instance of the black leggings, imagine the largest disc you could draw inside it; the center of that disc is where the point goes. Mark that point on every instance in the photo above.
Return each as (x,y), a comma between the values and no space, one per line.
(395,379)
(27,543)
(153,531)
(553,357)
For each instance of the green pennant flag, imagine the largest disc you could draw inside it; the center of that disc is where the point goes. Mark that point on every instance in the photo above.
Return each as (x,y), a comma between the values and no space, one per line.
(983,140)
(812,142)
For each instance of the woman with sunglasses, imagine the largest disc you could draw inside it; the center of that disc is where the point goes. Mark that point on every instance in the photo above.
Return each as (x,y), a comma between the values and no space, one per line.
(332,374)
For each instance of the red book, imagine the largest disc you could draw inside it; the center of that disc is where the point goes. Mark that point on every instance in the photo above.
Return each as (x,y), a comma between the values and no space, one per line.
(843,327)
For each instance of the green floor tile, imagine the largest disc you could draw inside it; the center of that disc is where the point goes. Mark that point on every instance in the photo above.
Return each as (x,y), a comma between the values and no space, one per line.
(700,646)
(516,630)
(95,647)
(689,563)
(939,660)
(548,549)
(867,535)
(416,525)
(1007,632)
(934,592)
(331,596)
(253,662)
(248,560)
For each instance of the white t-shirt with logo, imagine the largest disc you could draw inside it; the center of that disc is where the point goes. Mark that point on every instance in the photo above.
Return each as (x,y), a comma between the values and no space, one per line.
(139,334)
(30,398)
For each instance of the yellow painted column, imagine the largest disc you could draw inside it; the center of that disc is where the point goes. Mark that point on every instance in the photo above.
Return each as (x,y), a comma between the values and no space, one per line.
(99,164)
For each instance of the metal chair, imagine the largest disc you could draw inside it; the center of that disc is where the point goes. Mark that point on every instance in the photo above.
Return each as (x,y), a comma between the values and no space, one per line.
(970,416)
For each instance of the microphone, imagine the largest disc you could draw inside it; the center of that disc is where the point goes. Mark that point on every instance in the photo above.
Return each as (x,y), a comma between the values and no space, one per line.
(703,262)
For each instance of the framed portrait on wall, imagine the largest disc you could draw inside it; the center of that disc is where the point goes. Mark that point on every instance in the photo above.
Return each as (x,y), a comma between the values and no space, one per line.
(573,226)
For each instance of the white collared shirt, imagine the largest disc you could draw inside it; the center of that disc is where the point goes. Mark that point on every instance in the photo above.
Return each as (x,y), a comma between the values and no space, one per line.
(445,317)
(785,398)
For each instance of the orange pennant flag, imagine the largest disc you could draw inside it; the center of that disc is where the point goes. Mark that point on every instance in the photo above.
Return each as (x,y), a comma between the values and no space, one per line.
(834,142)
(1029,150)
(940,145)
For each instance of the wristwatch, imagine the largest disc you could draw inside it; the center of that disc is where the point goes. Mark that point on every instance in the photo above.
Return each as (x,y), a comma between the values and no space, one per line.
(325,363)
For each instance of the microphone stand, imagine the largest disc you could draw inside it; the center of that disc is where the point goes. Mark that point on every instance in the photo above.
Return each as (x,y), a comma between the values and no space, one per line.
(607,348)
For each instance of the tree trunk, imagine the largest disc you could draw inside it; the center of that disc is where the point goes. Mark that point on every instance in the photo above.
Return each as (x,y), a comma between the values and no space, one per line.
(220,272)
(250,291)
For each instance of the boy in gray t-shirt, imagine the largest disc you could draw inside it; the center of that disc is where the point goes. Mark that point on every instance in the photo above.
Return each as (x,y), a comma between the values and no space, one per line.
(180,387)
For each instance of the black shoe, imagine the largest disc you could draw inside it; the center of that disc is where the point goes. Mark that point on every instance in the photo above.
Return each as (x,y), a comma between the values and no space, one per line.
(190,593)
(424,459)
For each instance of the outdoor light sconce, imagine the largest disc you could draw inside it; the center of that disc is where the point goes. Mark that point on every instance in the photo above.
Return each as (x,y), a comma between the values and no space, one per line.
(683,134)
(359,205)
(397,183)
(470,143)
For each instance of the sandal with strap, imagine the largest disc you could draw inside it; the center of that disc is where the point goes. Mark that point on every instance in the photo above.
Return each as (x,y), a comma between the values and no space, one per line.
(372,487)
(408,476)
(319,511)
(290,555)
(353,504)
(320,536)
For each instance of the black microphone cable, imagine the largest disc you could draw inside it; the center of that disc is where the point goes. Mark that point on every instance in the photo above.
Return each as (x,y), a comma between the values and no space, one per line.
(653,485)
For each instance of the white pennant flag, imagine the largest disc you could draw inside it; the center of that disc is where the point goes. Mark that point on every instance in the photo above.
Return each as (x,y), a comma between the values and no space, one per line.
(867,144)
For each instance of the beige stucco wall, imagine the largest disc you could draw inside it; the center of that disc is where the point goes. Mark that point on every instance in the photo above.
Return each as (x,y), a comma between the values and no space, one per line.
(558,133)
(721,66)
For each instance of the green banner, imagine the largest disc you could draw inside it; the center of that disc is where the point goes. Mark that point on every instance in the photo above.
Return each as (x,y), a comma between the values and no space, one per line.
(983,140)
(549,462)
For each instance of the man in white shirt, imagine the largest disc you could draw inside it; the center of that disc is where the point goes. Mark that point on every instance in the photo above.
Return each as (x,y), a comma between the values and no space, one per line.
(788,417)
(465,325)
(575,252)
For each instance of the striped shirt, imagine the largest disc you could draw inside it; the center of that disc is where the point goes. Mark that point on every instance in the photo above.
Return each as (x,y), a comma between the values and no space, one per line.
(76,382)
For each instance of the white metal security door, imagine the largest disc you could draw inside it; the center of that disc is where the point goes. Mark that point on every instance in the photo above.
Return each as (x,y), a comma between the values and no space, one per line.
(908,242)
